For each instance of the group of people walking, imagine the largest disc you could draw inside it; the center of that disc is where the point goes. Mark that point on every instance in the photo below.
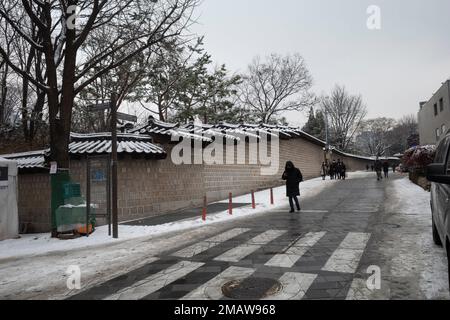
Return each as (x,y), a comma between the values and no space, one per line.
(336,170)
(382,167)
(293,176)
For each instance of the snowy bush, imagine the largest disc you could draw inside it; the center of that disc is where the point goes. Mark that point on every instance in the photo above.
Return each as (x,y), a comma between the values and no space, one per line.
(417,158)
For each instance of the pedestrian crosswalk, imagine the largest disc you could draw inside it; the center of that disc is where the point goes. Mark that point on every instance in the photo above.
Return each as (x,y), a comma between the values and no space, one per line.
(238,253)
(294,252)
(346,257)
(207,244)
(155,282)
(284,262)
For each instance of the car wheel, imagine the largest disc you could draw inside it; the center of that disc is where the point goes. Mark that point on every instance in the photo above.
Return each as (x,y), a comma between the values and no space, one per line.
(436,238)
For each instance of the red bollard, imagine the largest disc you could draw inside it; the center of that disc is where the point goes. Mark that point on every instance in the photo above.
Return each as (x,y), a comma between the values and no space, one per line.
(271,196)
(230,204)
(205,204)
(253,200)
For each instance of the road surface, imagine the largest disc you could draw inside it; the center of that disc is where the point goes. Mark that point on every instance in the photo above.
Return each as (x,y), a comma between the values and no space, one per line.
(344,237)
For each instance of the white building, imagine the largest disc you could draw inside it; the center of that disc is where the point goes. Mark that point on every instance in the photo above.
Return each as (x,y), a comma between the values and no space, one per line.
(434,116)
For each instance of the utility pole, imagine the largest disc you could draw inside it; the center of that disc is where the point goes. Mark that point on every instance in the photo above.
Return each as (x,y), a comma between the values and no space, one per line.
(114,191)
(327,143)
(326,131)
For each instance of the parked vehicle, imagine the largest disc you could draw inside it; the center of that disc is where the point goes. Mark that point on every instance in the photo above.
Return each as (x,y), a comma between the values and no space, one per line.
(439,174)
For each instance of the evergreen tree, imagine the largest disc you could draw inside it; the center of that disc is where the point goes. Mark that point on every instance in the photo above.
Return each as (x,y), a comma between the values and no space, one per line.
(315,125)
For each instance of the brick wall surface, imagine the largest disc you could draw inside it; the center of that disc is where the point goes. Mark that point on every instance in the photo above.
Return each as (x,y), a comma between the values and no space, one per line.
(34,202)
(156,187)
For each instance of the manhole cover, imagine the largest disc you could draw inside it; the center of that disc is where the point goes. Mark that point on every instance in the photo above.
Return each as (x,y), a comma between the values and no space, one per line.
(253,288)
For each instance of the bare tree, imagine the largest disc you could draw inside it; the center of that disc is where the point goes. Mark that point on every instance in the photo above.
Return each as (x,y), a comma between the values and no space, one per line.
(277,85)
(345,114)
(5,106)
(404,135)
(64,26)
(373,137)
(29,99)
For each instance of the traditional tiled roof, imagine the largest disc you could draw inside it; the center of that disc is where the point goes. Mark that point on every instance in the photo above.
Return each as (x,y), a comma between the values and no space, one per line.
(208,130)
(139,141)
(158,127)
(28,160)
(90,144)
(222,129)
(101,143)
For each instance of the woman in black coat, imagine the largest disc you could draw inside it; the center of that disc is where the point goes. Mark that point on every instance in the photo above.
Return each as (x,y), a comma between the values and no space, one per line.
(293,177)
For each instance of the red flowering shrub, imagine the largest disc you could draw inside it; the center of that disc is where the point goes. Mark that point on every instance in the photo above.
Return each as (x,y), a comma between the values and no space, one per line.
(417,158)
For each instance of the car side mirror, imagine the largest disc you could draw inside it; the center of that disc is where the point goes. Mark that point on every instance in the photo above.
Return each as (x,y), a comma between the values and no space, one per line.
(438,173)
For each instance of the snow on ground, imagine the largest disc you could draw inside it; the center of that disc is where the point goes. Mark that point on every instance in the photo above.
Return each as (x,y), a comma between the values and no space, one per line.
(36,244)
(412,204)
(410,198)
(414,267)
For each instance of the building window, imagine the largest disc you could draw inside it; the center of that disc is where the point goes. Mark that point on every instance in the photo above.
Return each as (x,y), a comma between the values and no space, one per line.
(435,109)
(437,134)
(441,104)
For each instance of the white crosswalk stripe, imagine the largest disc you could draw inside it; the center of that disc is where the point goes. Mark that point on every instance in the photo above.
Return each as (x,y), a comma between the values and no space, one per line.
(346,257)
(213,288)
(156,281)
(294,286)
(207,244)
(238,253)
(294,252)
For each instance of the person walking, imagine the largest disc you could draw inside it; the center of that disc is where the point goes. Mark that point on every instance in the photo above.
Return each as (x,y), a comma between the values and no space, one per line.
(378,168)
(367,168)
(339,168)
(333,170)
(343,171)
(323,170)
(386,169)
(293,177)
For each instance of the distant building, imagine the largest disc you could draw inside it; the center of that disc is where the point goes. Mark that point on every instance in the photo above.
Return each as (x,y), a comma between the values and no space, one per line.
(434,116)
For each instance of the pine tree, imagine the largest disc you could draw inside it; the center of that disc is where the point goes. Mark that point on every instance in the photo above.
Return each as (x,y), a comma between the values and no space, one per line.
(315,125)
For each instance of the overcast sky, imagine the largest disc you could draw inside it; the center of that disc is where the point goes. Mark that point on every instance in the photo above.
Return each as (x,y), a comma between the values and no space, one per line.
(393,68)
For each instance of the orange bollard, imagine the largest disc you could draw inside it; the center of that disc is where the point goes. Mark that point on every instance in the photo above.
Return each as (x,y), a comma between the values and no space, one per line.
(271,196)
(253,200)
(205,204)
(230,204)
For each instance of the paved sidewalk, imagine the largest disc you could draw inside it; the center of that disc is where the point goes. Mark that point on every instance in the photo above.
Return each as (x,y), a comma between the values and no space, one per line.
(184,214)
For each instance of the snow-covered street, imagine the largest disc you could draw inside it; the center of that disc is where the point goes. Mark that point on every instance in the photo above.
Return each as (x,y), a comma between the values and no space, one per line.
(386,224)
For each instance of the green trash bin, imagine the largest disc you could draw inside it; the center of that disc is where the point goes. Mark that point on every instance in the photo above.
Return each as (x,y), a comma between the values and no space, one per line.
(73,217)
(58,181)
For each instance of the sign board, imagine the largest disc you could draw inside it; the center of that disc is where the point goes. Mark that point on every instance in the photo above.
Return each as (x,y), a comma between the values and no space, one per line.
(98,175)
(3,176)
(126,117)
(53,167)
